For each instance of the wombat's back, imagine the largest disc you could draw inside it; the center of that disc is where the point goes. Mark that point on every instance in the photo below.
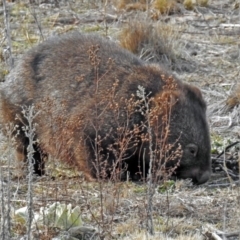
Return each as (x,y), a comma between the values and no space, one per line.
(73,63)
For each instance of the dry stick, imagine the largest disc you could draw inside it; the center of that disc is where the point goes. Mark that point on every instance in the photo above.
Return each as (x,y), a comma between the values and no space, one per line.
(2,193)
(6,190)
(229,146)
(147,8)
(224,165)
(151,187)
(238,174)
(9,58)
(226,170)
(29,114)
(105,20)
(144,169)
(33,12)
(95,61)
(11,129)
(231,234)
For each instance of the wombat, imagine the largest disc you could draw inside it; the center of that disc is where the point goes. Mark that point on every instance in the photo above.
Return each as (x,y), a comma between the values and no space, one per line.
(103,110)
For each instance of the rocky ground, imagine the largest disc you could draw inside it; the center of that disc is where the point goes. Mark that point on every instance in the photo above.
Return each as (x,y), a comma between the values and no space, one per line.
(202,48)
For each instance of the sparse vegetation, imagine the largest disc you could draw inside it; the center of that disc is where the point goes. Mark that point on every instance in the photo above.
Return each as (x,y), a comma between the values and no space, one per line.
(130,5)
(154,43)
(116,209)
(234,99)
(165,6)
(135,35)
(190,4)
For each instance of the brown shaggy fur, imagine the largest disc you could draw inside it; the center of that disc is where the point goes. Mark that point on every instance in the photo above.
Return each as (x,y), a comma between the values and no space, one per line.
(84,88)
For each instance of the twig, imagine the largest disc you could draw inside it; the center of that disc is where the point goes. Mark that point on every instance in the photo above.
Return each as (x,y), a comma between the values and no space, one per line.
(29,130)
(223,185)
(229,146)
(232,234)
(8,56)
(33,12)
(151,187)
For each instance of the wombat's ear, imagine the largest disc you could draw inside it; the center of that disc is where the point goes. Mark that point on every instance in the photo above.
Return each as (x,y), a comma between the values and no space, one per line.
(195,90)
(194,94)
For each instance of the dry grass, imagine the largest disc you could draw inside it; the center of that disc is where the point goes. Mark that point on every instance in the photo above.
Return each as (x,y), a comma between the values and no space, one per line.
(159,7)
(165,6)
(152,42)
(130,5)
(182,213)
(234,99)
(160,236)
(187,209)
(190,4)
(135,35)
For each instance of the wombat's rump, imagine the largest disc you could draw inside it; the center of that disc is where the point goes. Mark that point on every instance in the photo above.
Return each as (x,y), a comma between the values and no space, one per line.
(84,88)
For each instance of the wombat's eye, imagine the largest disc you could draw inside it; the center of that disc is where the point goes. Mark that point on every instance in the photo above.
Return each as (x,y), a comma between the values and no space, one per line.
(192,149)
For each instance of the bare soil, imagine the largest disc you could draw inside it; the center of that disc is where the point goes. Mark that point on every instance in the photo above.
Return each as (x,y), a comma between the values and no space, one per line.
(205,51)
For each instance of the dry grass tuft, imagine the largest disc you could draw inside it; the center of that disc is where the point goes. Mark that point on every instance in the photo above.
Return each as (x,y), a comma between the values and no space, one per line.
(131,5)
(202,3)
(190,4)
(159,7)
(165,6)
(234,99)
(135,35)
(152,42)
(142,235)
(136,6)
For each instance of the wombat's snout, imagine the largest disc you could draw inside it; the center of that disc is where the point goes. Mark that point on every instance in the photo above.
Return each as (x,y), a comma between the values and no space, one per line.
(201,176)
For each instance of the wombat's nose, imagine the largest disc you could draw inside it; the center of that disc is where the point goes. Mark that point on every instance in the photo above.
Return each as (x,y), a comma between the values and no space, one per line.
(203,177)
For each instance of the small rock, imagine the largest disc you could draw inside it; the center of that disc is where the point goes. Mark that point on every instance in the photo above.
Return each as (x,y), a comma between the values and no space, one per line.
(84,233)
